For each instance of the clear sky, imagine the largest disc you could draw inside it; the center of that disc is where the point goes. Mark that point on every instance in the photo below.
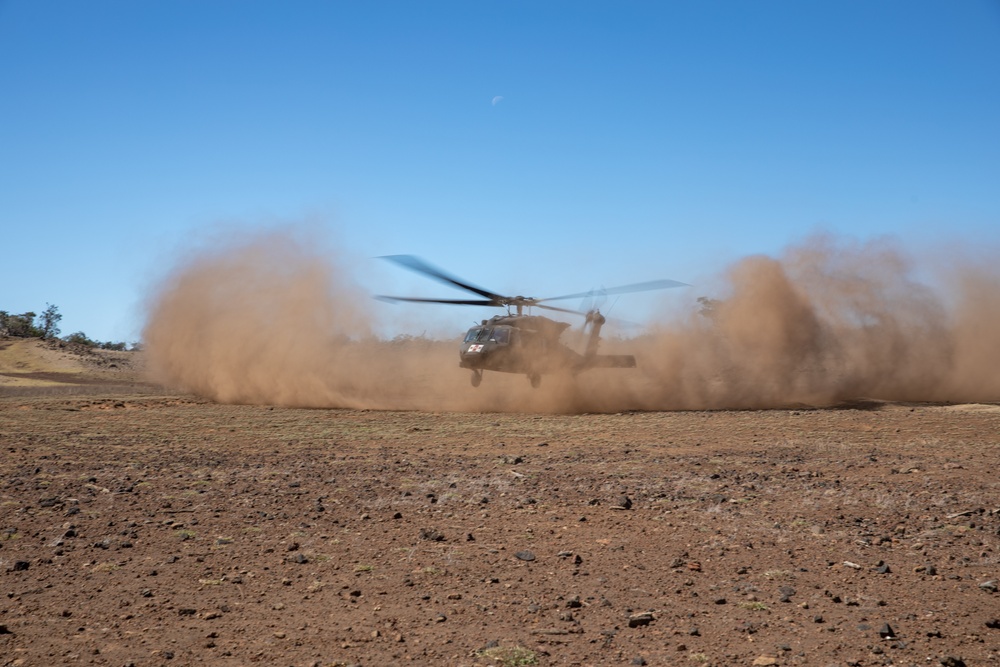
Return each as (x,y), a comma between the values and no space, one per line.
(530,147)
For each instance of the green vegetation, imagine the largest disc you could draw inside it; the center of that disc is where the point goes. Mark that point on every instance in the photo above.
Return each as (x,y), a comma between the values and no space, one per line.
(46,327)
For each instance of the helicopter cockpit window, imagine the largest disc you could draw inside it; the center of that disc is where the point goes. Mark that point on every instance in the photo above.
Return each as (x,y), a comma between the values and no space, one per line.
(472,335)
(501,336)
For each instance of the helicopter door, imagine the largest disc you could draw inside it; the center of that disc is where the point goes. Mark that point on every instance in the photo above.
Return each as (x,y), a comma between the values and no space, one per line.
(501,336)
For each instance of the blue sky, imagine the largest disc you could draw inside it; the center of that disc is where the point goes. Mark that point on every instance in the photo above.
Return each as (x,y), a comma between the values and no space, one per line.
(540,147)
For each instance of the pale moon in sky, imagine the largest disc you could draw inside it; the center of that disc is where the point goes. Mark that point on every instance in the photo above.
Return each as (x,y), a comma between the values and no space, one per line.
(497,100)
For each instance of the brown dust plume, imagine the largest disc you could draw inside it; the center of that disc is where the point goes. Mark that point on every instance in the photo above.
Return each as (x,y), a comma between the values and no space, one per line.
(273,320)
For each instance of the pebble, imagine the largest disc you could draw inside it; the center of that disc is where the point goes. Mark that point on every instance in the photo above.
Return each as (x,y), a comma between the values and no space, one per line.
(639,620)
(952,661)
(431,535)
(765,661)
(525,555)
(622,503)
(989,586)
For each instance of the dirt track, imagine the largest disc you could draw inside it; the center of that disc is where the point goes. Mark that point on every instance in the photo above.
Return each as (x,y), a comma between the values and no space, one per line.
(157,530)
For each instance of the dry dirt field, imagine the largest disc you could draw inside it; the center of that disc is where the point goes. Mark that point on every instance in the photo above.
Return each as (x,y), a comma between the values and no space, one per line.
(142,528)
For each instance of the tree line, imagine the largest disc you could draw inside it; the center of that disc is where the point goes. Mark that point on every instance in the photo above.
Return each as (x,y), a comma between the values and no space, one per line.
(46,327)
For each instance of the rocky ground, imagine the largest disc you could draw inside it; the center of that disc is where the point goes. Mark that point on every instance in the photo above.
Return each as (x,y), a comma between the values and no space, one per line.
(145,529)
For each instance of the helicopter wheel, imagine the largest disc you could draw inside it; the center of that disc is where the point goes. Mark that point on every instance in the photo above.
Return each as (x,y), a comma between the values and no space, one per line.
(536,380)
(477,378)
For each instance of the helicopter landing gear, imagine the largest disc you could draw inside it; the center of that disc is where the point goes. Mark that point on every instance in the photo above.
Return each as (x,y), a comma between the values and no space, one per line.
(536,380)
(477,378)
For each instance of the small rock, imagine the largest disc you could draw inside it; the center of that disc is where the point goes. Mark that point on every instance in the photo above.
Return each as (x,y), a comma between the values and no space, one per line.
(622,503)
(786,593)
(993,623)
(694,632)
(886,632)
(639,620)
(440,618)
(525,555)
(431,535)
(883,569)
(21,565)
(765,661)
(952,661)
(639,660)
(988,586)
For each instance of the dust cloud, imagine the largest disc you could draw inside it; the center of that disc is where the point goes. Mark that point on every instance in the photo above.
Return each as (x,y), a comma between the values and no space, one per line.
(272,319)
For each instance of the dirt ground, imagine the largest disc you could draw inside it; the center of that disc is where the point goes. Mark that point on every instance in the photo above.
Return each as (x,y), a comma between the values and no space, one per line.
(143,528)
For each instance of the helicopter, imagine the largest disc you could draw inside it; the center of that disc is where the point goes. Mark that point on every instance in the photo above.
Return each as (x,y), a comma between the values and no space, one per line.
(522,343)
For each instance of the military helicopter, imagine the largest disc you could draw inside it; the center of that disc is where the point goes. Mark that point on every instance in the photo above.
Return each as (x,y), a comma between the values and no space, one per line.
(523,343)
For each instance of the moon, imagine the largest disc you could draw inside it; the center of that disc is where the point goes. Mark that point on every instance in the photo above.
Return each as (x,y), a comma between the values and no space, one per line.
(497,100)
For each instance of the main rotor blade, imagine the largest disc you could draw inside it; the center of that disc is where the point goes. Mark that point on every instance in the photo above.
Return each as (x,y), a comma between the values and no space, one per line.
(458,302)
(561,310)
(624,289)
(418,265)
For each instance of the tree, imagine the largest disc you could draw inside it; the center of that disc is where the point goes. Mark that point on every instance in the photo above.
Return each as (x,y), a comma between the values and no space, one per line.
(22,326)
(50,321)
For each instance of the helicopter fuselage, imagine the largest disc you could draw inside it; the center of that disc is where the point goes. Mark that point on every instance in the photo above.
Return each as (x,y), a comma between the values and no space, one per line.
(529,345)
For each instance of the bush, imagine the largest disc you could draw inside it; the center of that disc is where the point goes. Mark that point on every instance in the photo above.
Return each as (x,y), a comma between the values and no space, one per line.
(80,338)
